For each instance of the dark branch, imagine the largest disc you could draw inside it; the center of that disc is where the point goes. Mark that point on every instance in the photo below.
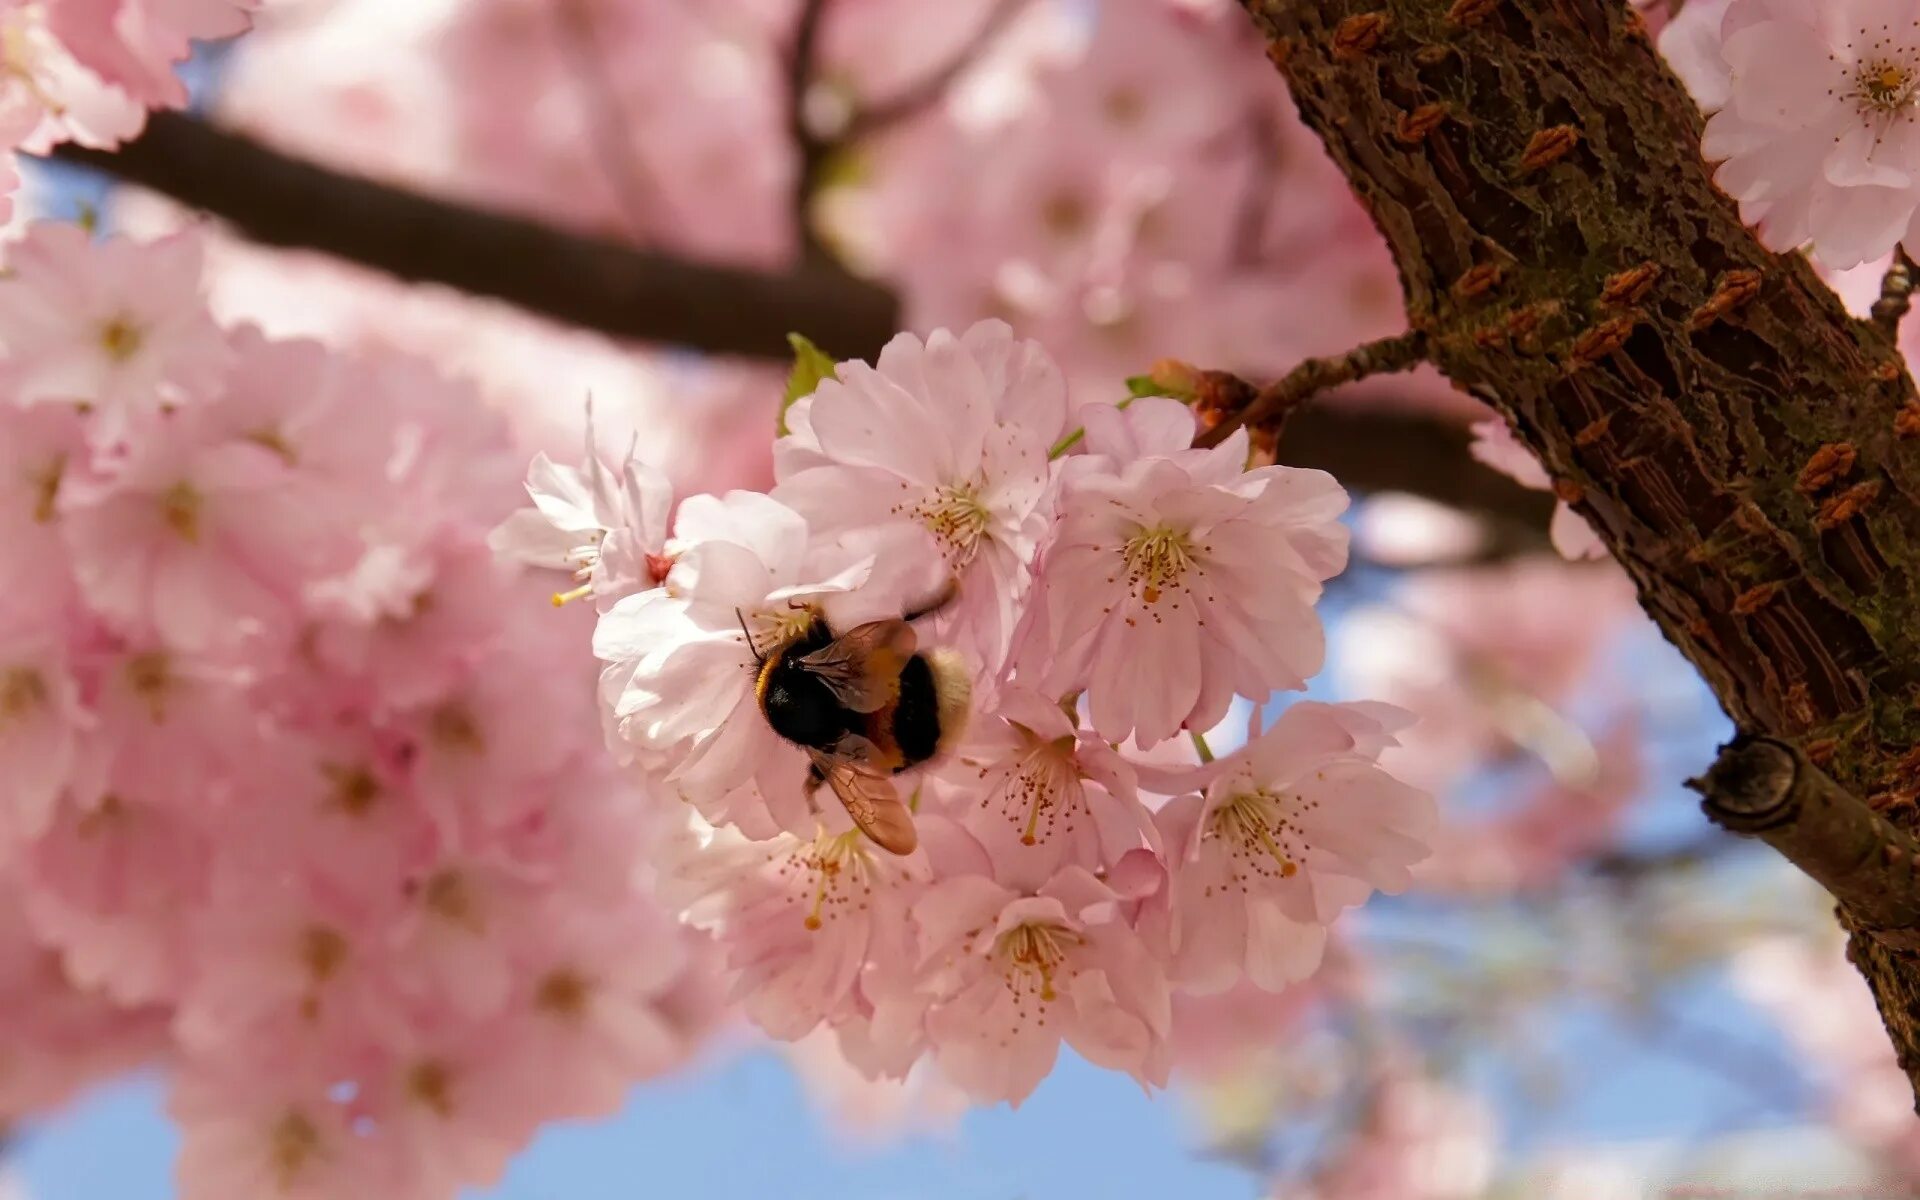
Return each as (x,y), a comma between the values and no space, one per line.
(927,92)
(278,200)
(1768,789)
(811,149)
(614,289)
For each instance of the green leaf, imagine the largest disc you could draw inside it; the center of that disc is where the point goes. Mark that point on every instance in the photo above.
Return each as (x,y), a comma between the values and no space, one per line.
(1143,385)
(810,365)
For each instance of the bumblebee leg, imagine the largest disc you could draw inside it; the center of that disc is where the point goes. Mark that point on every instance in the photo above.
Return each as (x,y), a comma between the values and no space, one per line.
(815,777)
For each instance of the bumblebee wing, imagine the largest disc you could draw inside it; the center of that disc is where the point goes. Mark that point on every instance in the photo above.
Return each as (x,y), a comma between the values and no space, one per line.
(870,799)
(862,666)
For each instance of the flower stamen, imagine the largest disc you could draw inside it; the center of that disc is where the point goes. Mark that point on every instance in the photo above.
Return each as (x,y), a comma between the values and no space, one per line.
(957,519)
(1156,559)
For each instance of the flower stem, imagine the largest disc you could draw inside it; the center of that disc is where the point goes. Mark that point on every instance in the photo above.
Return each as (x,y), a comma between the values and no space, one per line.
(1200,746)
(1073,439)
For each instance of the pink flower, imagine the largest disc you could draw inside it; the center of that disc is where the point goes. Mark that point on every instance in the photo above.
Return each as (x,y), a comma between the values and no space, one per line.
(47,95)
(800,919)
(1009,976)
(451,1114)
(196,539)
(41,719)
(41,450)
(280,961)
(134,44)
(1495,445)
(1817,134)
(1041,793)
(595,993)
(952,435)
(1297,826)
(609,529)
(252,1129)
(119,326)
(1175,579)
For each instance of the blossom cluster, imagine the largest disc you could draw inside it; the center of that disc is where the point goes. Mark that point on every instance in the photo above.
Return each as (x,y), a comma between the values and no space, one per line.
(1112,589)
(1816,117)
(301,791)
(87,71)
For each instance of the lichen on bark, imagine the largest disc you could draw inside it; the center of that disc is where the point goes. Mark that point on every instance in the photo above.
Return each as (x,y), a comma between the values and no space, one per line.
(1743,446)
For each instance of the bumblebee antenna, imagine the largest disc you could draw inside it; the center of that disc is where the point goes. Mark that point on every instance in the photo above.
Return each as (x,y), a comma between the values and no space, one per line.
(758,657)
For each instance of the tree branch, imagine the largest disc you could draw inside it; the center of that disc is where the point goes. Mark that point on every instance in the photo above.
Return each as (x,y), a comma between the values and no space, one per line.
(1732,434)
(1896,292)
(614,289)
(279,200)
(811,150)
(1274,403)
(923,94)
(1767,789)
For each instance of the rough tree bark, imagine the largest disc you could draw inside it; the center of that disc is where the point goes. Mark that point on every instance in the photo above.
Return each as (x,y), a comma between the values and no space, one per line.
(1742,444)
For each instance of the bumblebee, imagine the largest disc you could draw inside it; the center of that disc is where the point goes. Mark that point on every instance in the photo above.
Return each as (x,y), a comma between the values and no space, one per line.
(865,705)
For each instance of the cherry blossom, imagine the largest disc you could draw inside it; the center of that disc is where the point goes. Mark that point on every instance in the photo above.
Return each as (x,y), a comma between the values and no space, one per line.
(1815,129)
(1176,579)
(118,326)
(800,919)
(609,528)
(1300,825)
(951,434)
(1013,975)
(1042,793)
(134,44)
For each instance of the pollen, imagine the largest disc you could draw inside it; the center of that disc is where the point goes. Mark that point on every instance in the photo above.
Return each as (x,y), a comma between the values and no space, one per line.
(956,517)
(1157,559)
(293,1144)
(449,895)
(1266,840)
(46,488)
(1039,795)
(1882,86)
(452,726)
(563,993)
(150,677)
(355,790)
(180,508)
(121,339)
(841,867)
(431,1083)
(1033,954)
(322,951)
(1064,214)
(104,816)
(22,690)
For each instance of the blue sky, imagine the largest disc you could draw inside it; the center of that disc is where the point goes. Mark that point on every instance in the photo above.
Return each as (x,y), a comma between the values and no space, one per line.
(741,1131)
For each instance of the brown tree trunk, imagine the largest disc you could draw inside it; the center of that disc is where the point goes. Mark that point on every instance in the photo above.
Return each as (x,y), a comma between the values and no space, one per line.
(1741,443)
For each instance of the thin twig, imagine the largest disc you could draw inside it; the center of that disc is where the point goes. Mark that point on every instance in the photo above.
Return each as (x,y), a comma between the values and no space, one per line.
(613,141)
(1274,402)
(918,96)
(1896,292)
(810,148)
(1256,203)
